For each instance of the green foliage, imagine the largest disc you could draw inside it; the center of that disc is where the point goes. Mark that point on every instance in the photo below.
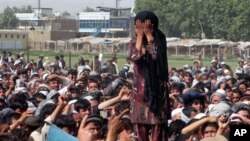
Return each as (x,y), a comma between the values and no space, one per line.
(24,9)
(225,19)
(88,9)
(65,13)
(8,19)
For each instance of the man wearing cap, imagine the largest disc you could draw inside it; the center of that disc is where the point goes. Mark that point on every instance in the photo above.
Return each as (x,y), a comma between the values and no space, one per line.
(195,100)
(90,128)
(54,81)
(17,65)
(33,85)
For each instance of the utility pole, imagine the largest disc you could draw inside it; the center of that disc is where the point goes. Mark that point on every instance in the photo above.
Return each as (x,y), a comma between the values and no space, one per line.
(117,3)
(39,9)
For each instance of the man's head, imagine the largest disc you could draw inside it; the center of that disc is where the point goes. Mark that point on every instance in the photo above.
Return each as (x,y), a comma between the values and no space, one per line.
(94,124)
(209,129)
(83,107)
(66,123)
(93,85)
(72,74)
(53,81)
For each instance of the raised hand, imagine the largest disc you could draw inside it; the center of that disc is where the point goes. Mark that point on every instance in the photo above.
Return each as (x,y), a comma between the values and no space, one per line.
(124,93)
(84,134)
(139,28)
(223,121)
(148,28)
(62,101)
(115,126)
(25,115)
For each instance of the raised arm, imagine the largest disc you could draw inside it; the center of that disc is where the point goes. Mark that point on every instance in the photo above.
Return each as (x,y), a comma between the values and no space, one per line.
(123,95)
(192,127)
(61,104)
(139,27)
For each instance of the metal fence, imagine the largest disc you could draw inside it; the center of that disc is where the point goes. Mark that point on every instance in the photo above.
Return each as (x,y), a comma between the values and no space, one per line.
(122,48)
(84,47)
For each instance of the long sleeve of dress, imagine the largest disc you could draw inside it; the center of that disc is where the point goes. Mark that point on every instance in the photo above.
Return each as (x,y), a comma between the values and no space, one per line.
(134,54)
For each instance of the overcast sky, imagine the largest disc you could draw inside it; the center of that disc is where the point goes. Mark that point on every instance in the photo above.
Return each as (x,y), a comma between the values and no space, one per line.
(72,6)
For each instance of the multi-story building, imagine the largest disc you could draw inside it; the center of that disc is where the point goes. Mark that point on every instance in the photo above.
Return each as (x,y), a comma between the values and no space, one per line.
(109,21)
(42,25)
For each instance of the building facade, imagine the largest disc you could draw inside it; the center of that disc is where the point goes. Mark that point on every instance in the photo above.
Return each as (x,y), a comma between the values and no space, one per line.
(13,39)
(109,21)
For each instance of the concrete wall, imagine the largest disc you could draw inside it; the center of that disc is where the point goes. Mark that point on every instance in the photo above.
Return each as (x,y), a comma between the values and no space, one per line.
(62,35)
(64,24)
(39,35)
(13,39)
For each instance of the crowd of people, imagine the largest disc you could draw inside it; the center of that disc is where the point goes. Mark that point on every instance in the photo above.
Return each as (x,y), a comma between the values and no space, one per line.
(205,101)
(91,101)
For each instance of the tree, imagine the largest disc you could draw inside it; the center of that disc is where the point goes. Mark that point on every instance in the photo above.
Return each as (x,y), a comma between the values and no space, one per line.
(225,19)
(8,19)
(24,9)
(65,13)
(88,9)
